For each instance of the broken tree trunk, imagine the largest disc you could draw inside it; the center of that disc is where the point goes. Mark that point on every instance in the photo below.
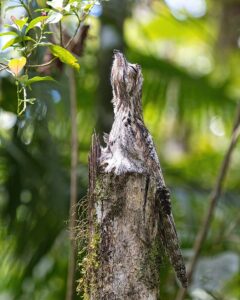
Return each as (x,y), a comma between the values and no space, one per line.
(123,254)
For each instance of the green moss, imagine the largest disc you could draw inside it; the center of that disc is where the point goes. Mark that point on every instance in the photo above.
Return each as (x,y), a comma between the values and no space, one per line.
(89,266)
(150,271)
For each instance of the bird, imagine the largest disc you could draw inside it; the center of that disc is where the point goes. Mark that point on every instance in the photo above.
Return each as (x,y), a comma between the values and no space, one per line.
(130,149)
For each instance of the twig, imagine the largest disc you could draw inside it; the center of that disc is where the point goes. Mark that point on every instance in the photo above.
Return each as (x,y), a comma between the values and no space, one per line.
(60,32)
(3,66)
(71,282)
(26,8)
(75,33)
(42,65)
(214,196)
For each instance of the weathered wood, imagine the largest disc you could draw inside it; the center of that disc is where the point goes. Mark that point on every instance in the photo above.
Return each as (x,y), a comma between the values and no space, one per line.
(123,251)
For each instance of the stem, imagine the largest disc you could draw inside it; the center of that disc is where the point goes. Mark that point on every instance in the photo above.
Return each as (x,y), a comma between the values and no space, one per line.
(71,282)
(26,8)
(3,67)
(43,65)
(60,31)
(18,97)
(76,31)
(214,196)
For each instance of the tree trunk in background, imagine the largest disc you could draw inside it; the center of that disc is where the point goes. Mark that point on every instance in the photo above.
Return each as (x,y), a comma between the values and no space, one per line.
(111,37)
(123,258)
(72,261)
(228,38)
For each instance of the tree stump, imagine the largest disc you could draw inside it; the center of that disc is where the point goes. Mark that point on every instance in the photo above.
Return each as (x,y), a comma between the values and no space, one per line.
(123,254)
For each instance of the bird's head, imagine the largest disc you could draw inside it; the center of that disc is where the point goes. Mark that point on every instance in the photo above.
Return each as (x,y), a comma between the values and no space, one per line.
(126,80)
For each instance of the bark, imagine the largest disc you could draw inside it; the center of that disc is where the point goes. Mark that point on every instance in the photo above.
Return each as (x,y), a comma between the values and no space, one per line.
(123,254)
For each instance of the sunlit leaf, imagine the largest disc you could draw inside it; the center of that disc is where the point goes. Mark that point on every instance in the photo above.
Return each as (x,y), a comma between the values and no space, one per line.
(12,42)
(8,33)
(41,3)
(88,7)
(20,23)
(36,22)
(8,26)
(16,64)
(39,78)
(65,56)
(56,4)
(54,17)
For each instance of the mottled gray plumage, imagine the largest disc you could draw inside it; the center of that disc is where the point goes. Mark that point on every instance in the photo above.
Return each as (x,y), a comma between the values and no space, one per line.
(130,148)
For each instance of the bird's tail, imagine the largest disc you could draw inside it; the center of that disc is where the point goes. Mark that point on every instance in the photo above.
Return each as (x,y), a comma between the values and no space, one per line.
(169,236)
(172,248)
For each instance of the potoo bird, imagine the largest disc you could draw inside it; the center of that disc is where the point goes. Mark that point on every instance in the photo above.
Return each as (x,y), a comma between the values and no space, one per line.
(130,148)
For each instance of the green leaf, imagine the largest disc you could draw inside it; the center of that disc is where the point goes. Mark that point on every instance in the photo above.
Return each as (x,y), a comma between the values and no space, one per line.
(88,7)
(8,26)
(8,33)
(12,42)
(65,56)
(35,22)
(28,38)
(20,23)
(39,78)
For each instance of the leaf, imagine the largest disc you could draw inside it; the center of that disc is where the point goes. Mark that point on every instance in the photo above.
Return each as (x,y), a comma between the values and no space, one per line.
(20,23)
(16,64)
(35,22)
(12,42)
(54,17)
(65,56)
(88,7)
(41,3)
(56,4)
(28,38)
(7,26)
(8,33)
(39,78)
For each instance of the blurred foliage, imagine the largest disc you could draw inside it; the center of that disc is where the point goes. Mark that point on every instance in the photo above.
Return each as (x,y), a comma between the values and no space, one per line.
(191,86)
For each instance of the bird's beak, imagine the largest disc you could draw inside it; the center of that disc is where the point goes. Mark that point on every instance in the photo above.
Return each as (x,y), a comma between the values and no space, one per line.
(119,58)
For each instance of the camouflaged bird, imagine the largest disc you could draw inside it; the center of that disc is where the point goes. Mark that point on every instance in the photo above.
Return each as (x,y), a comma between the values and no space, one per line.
(130,148)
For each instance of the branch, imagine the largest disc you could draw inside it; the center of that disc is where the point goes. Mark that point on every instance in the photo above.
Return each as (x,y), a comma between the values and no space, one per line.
(3,66)
(26,8)
(42,65)
(71,282)
(61,33)
(214,196)
(75,33)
